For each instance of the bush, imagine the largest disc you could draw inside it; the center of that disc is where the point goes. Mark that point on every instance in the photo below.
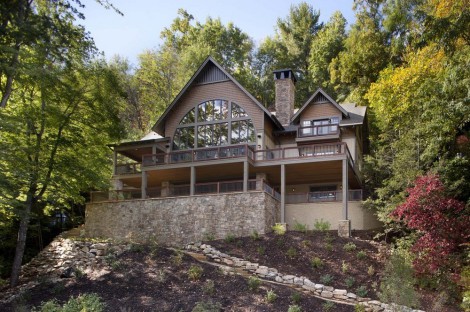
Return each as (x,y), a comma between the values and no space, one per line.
(316,262)
(300,227)
(195,272)
(349,247)
(361,255)
(370,270)
(296,297)
(209,287)
(253,283)
(362,291)
(294,308)
(359,308)
(177,259)
(261,250)
(291,252)
(344,267)
(350,281)
(329,246)
(208,236)
(255,236)
(270,296)
(207,307)
(398,282)
(279,229)
(321,225)
(326,279)
(230,238)
(86,302)
(328,306)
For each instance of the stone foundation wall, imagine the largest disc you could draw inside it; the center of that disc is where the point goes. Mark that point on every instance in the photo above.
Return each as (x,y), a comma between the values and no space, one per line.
(180,220)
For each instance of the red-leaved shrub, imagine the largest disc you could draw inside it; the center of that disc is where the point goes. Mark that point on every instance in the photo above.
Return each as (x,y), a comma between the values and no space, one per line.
(442,221)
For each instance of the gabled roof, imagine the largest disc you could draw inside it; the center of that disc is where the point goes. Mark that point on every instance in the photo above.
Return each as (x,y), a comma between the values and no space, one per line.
(320,91)
(356,114)
(220,75)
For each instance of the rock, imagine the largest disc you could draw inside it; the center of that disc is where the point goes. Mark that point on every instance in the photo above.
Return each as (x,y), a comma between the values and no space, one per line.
(340,292)
(328,288)
(262,270)
(251,266)
(309,283)
(298,281)
(67,273)
(319,286)
(326,294)
(227,261)
(278,279)
(308,287)
(351,295)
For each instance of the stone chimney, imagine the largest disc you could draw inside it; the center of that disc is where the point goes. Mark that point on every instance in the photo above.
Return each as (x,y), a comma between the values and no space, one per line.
(284,81)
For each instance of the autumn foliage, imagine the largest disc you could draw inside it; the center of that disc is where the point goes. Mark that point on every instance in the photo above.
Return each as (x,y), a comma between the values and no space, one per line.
(442,221)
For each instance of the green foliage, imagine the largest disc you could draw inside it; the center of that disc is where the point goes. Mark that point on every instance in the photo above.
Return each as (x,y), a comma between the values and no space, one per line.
(321,225)
(209,287)
(294,308)
(255,236)
(261,250)
(326,279)
(208,306)
(328,306)
(344,267)
(316,263)
(328,246)
(177,258)
(279,229)
(209,236)
(349,247)
(370,270)
(230,238)
(300,227)
(254,283)
(362,291)
(195,272)
(350,281)
(86,302)
(361,255)
(359,308)
(291,252)
(398,282)
(296,297)
(270,296)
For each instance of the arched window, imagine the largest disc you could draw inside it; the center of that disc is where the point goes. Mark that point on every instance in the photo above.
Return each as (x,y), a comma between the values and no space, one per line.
(214,123)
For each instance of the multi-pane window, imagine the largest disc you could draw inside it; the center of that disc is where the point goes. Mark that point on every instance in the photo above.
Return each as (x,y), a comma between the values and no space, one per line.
(214,123)
(320,126)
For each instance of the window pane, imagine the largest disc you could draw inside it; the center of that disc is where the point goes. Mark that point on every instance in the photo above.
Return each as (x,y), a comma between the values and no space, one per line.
(188,118)
(221,134)
(201,112)
(237,111)
(251,132)
(243,131)
(201,136)
(189,137)
(176,139)
(224,110)
(209,111)
(235,132)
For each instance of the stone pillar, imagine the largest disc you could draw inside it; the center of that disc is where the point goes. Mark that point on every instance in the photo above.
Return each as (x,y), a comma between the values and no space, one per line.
(283,193)
(260,177)
(344,228)
(117,184)
(144,185)
(165,192)
(192,184)
(245,176)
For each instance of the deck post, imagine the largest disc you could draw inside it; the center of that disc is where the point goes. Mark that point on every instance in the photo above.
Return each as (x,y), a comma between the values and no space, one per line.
(114,161)
(192,184)
(345,189)
(144,185)
(283,192)
(245,176)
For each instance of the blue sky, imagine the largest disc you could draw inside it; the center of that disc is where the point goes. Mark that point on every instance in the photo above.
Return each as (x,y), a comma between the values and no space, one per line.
(139,29)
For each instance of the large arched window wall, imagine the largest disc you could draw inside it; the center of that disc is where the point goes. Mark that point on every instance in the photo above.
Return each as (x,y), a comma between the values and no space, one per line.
(214,123)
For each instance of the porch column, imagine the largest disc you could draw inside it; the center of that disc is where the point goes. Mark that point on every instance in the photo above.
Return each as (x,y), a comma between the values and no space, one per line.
(260,177)
(192,183)
(114,161)
(144,185)
(245,176)
(345,189)
(283,193)
(165,191)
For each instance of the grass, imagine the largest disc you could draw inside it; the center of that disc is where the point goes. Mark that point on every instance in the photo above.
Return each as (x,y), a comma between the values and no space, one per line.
(195,272)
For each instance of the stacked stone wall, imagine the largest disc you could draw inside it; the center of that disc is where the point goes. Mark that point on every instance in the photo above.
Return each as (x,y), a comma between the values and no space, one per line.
(180,220)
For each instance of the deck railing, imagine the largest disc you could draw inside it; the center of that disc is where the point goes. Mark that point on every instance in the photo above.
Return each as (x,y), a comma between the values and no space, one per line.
(129,168)
(326,196)
(321,130)
(182,190)
(302,151)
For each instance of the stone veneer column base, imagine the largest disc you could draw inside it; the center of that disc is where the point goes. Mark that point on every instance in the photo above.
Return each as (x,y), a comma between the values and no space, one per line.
(344,228)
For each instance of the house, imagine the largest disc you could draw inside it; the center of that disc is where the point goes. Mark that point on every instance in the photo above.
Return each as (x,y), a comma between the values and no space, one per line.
(219,163)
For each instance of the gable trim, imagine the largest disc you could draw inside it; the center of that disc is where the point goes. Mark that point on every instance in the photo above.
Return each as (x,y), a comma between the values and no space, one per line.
(308,102)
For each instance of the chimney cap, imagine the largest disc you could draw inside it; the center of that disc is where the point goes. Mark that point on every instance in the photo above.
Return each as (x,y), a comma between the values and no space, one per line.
(284,74)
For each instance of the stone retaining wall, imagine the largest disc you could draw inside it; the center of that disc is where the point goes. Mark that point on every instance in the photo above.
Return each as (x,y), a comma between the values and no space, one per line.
(180,220)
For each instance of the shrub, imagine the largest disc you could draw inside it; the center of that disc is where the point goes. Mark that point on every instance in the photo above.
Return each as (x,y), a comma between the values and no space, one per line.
(349,247)
(86,302)
(296,297)
(306,243)
(255,236)
(329,246)
(316,262)
(362,291)
(359,308)
(300,227)
(344,267)
(370,270)
(279,229)
(398,282)
(253,283)
(261,250)
(443,222)
(177,258)
(195,272)
(294,308)
(208,236)
(291,252)
(207,307)
(270,296)
(361,255)
(230,238)
(321,225)
(349,281)
(326,279)
(209,287)
(328,306)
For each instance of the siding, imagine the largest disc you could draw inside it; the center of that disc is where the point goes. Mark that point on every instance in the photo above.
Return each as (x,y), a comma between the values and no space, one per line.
(197,94)
(318,111)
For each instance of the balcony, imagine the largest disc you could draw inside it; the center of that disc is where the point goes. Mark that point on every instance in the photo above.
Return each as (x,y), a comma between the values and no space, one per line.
(127,168)
(318,131)
(327,196)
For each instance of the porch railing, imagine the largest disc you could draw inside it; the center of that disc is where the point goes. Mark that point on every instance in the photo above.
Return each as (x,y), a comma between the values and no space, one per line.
(321,130)
(327,196)
(129,168)
(115,195)
(302,151)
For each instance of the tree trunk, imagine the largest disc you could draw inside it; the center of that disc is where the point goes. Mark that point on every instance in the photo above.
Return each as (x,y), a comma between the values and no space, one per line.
(21,240)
